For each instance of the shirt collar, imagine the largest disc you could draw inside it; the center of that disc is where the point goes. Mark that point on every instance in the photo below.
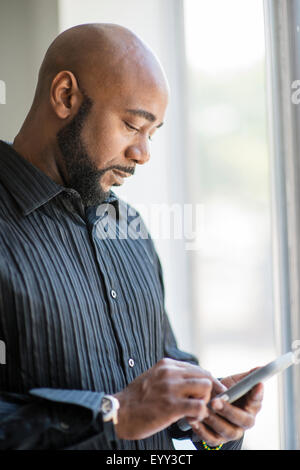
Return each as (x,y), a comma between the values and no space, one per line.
(29,186)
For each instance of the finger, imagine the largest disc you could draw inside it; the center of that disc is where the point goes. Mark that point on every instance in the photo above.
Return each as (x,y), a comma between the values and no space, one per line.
(191,370)
(196,388)
(221,426)
(206,434)
(233,414)
(192,408)
(218,387)
(254,398)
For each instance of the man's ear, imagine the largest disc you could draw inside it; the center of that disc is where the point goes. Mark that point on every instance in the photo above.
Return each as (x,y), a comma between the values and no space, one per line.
(65,96)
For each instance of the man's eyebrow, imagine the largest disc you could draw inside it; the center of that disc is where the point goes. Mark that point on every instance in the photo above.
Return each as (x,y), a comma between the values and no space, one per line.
(144,114)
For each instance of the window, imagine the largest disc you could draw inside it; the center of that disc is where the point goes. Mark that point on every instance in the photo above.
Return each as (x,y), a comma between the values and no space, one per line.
(230,178)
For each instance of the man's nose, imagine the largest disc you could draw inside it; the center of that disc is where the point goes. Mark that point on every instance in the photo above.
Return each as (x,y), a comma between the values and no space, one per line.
(140,151)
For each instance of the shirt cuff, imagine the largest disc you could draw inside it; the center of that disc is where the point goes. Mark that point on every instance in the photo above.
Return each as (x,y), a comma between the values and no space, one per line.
(68,421)
(85,398)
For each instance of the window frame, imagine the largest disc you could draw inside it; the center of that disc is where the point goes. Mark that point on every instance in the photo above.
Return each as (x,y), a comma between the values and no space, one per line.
(283,67)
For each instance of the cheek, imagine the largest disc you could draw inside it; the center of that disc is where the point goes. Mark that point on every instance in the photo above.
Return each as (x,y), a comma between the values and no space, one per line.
(104,141)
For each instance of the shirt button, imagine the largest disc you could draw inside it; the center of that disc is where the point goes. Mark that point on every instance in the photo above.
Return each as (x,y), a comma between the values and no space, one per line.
(64,426)
(131,362)
(113,294)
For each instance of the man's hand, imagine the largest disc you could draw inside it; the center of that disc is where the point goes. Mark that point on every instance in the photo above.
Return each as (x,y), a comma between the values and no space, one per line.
(167,392)
(228,422)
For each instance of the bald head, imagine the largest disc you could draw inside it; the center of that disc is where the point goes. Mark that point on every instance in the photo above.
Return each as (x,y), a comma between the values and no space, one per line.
(101,96)
(100,55)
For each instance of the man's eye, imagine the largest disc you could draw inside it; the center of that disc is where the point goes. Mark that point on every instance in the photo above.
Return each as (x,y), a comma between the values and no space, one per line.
(129,126)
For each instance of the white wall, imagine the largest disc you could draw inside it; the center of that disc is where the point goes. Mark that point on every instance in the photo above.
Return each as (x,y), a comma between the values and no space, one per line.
(26,30)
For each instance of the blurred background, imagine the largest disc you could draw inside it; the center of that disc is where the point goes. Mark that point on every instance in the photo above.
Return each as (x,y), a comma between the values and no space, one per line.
(212,153)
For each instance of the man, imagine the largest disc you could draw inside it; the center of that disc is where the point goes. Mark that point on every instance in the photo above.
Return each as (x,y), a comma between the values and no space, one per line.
(92,362)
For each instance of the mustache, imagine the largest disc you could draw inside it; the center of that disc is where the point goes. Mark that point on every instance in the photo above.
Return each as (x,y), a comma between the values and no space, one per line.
(125,169)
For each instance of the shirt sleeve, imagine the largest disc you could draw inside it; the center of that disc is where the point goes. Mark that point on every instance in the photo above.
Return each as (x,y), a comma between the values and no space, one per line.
(53,419)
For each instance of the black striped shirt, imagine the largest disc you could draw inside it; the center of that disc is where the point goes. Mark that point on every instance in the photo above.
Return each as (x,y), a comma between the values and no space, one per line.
(81,311)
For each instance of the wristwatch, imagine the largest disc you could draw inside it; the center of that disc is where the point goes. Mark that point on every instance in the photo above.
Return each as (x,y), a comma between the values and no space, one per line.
(109,409)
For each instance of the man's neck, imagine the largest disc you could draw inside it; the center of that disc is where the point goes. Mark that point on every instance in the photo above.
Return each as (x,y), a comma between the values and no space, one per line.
(38,154)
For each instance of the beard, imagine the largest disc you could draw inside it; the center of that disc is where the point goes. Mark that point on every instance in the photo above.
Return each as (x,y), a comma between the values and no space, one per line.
(82,173)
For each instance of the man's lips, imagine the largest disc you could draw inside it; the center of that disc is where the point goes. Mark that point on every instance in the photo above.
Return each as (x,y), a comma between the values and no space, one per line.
(121,173)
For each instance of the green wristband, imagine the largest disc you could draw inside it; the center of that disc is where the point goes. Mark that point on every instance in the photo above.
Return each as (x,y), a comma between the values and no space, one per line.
(206,447)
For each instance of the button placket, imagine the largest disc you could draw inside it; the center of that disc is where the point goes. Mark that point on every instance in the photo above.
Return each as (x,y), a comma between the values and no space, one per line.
(64,426)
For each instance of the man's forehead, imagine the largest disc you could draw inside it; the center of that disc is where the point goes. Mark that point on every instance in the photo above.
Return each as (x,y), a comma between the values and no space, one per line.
(148,103)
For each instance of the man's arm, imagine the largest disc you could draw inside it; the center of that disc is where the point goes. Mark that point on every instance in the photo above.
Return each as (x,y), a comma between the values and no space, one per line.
(49,418)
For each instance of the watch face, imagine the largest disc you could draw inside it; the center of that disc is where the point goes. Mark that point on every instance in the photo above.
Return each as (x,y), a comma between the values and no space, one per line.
(109,408)
(106,405)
